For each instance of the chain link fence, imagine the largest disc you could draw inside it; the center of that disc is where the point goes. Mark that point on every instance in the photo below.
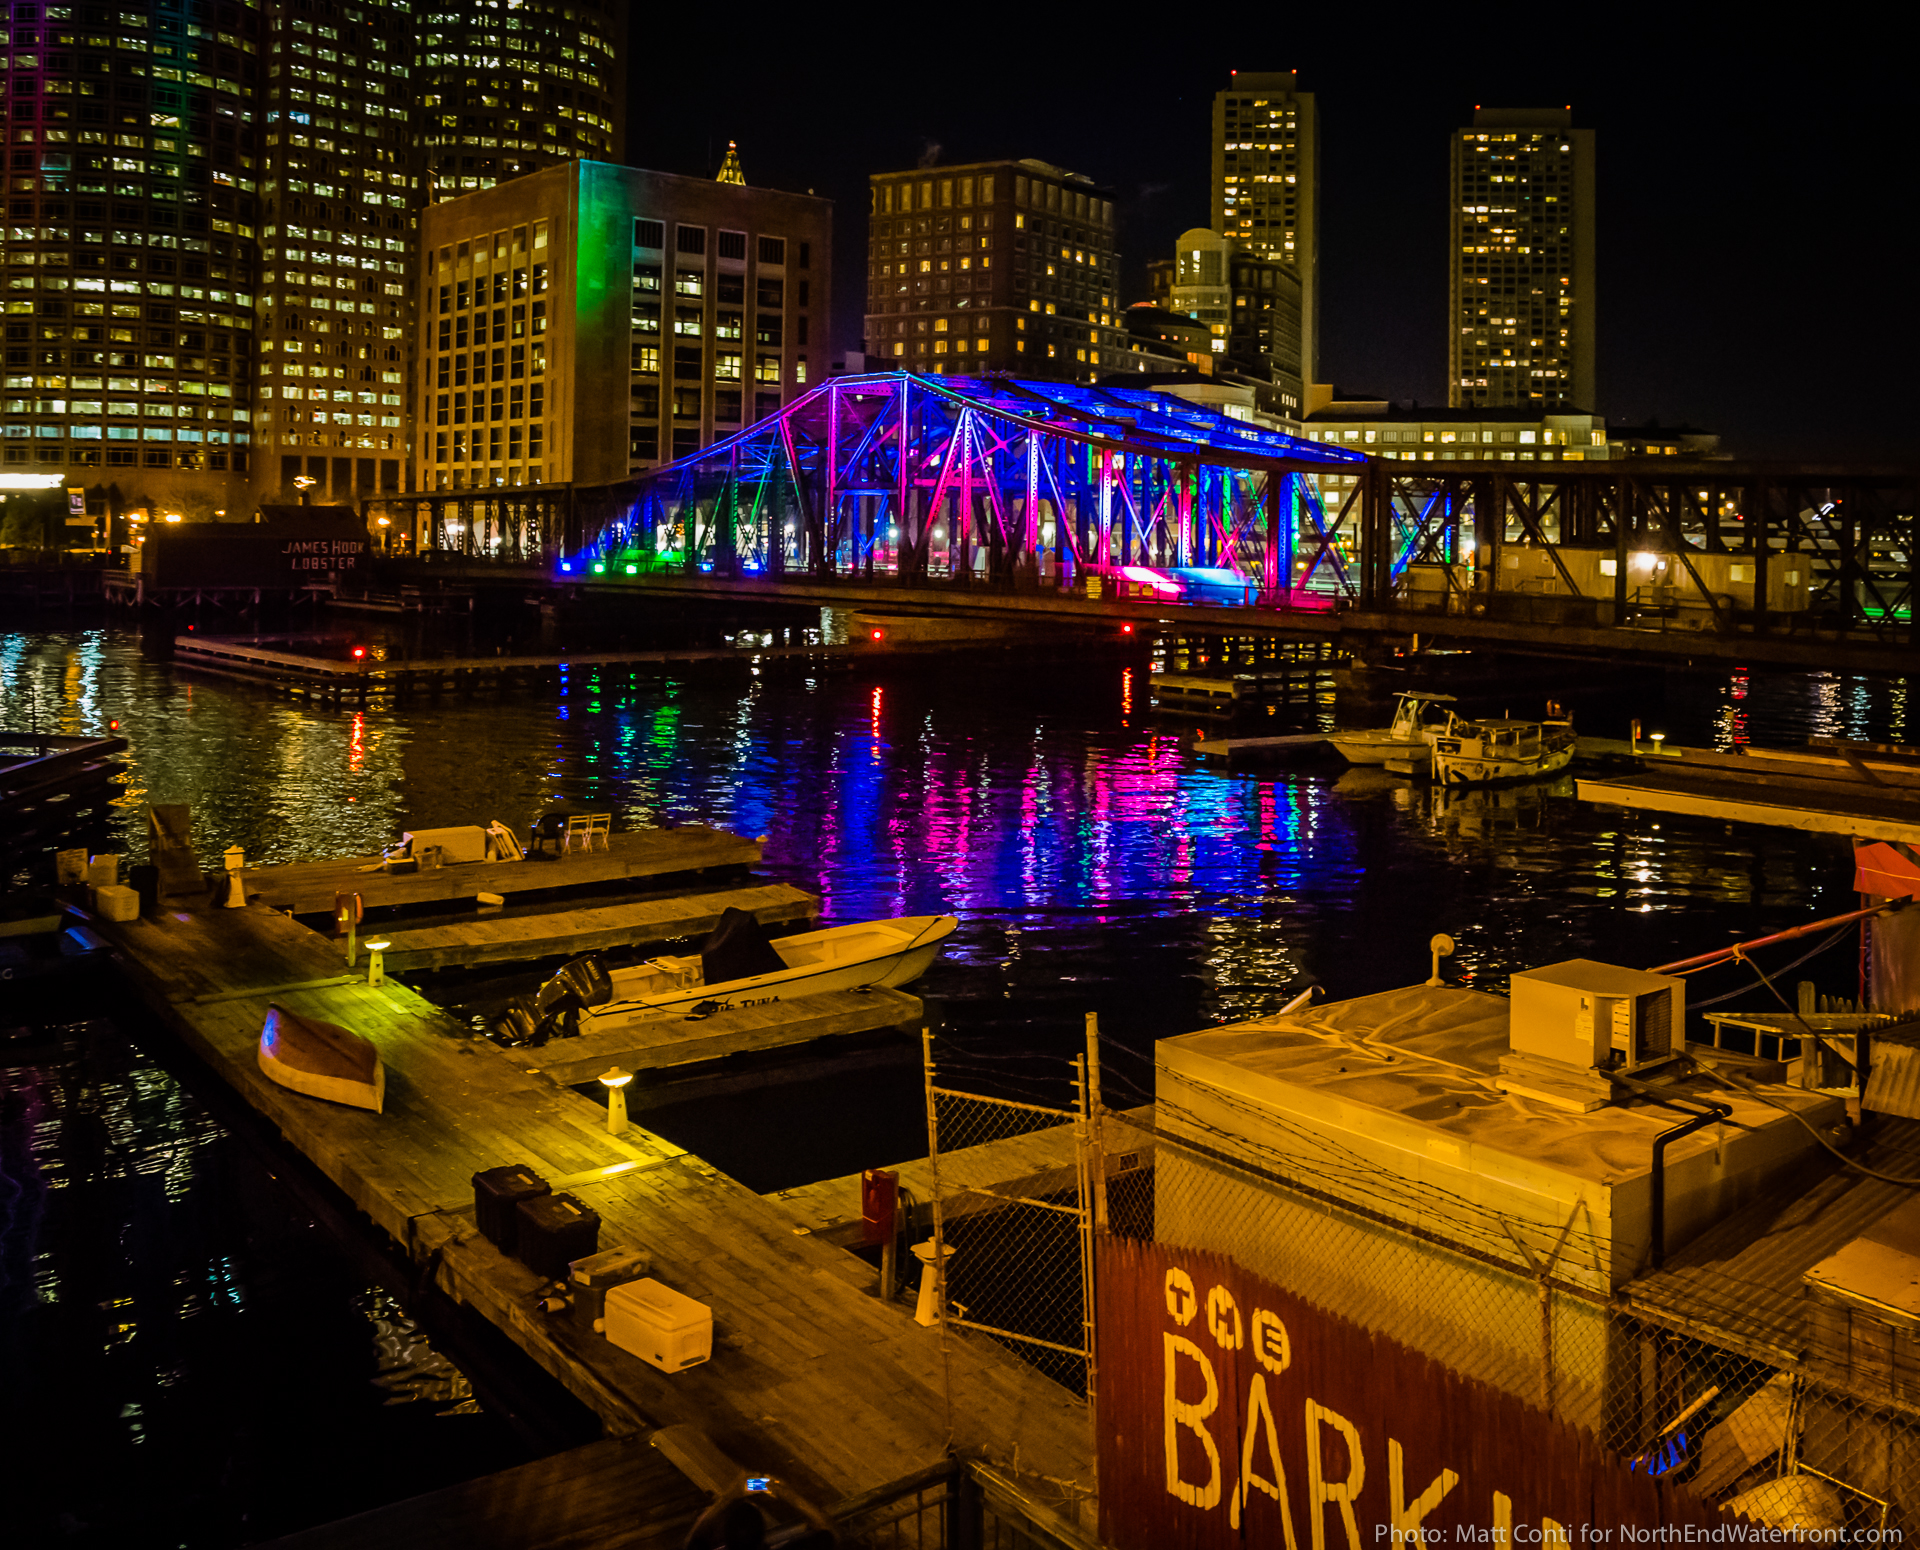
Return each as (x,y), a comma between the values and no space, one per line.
(1722,1370)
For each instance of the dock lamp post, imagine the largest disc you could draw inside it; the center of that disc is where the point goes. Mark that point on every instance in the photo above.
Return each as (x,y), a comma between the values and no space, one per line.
(377,962)
(616,1080)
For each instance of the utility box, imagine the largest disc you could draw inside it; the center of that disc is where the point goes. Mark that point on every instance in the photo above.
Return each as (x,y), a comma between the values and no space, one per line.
(1597,1016)
(662,1327)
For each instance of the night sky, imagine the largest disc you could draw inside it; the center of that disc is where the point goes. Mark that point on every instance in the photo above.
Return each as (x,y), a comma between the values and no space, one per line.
(1753,183)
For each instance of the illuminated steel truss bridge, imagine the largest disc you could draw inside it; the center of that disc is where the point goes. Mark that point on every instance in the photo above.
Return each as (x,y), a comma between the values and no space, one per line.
(994,478)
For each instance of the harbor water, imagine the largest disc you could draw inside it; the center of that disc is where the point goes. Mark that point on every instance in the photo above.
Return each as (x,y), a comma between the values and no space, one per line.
(191,1358)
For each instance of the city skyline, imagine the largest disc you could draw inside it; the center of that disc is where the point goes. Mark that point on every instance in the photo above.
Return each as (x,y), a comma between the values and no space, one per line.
(1734,193)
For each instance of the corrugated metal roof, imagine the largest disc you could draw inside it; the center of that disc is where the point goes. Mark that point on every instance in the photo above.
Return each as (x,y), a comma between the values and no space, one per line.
(1740,1281)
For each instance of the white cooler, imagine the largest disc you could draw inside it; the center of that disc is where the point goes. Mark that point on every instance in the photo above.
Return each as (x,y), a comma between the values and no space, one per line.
(659,1325)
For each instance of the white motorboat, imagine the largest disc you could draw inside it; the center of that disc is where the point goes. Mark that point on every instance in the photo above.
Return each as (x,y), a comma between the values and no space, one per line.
(1416,722)
(1482,753)
(737,965)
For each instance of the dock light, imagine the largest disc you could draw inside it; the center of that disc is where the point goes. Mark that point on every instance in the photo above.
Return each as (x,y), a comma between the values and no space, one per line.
(566,567)
(1657,738)
(879,634)
(377,963)
(359,652)
(174,516)
(599,569)
(1126,629)
(633,570)
(1441,947)
(616,1081)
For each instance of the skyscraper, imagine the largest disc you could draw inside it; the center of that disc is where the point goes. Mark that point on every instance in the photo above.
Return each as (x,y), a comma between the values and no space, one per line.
(338,188)
(510,89)
(1266,188)
(1520,321)
(1250,302)
(129,249)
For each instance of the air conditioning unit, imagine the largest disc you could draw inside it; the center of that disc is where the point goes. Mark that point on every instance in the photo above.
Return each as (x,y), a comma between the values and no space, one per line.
(1597,1015)
(1573,1023)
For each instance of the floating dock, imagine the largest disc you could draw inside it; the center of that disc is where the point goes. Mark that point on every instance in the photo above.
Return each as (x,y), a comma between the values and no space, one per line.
(309,887)
(812,1377)
(660,1044)
(1231,748)
(497,938)
(1829,789)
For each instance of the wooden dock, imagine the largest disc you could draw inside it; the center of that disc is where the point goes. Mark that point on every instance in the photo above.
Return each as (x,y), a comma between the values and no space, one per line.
(55,792)
(812,1376)
(659,1044)
(498,938)
(1282,747)
(972,1180)
(1828,790)
(309,887)
(615,1493)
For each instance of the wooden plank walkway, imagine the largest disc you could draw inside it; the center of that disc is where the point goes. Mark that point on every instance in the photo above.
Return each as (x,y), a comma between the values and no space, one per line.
(811,1376)
(308,887)
(497,938)
(972,1180)
(1258,747)
(618,1494)
(662,1043)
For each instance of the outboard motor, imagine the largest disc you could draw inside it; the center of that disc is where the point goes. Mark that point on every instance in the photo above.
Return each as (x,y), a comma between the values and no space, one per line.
(554,1010)
(518,1025)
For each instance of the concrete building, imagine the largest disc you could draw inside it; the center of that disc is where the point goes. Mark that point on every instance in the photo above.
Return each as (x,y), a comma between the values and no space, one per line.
(508,90)
(129,253)
(995,266)
(1520,297)
(588,320)
(1250,303)
(1266,188)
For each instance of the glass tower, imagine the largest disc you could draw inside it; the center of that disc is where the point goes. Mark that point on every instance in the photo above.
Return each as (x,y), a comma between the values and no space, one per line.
(129,250)
(508,88)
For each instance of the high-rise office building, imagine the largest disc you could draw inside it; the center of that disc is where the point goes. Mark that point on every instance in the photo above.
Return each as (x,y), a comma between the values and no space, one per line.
(1520,322)
(338,187)
(129,249)
(1002,266)
(508,89)
(592,320)
(1250,303)
(1266,187)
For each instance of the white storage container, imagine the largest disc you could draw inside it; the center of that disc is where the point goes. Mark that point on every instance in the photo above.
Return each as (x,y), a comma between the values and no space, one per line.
(659,1325)
(116,903)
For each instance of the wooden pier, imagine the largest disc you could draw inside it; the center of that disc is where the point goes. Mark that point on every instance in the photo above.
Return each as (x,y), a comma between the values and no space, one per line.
(54,793)
(812,1376)
(496,938)
(309,887)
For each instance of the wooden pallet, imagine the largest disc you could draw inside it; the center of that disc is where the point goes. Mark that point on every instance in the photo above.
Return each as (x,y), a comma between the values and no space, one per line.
(497,938)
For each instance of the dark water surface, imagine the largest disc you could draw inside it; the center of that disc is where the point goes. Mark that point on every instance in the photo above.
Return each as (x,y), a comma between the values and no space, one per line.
(1093,865)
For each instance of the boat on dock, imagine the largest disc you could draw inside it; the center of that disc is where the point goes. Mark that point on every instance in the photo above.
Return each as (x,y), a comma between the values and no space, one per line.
(1408,739)
(739,965)
(322,1060)
(1487,752)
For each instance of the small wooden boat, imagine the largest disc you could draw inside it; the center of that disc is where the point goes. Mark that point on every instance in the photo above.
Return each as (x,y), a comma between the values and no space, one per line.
(1482,753)
(322,1060)
(1409,739)
(873,952)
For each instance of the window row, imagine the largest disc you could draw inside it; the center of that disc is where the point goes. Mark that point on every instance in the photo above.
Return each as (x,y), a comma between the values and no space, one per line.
(692,242)
(728,289)
(522,321)
(689,365)
(498,443)
(501,404)
(499,246)
(507,285)
(499,365)
(689,323)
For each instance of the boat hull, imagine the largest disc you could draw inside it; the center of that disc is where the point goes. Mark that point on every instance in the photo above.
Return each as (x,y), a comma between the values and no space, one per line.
(322,1060)
(1475,770)
(1378,748)
(914,948)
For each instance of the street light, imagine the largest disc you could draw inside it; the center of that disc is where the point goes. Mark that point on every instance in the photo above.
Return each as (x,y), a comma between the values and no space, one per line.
(616,1081)
(304,483)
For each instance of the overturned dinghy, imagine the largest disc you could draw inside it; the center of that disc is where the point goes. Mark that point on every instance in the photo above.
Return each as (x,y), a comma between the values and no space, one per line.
(322,1060)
